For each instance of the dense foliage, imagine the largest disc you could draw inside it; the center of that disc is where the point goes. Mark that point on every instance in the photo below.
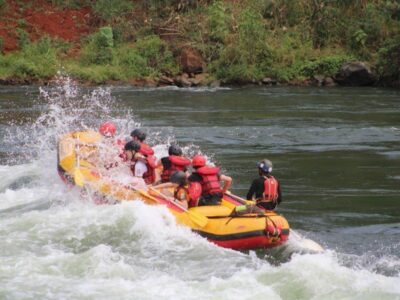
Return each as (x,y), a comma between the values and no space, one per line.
(240,41)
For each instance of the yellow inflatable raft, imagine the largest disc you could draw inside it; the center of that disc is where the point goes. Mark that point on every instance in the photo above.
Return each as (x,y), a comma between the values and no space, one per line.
(219,224)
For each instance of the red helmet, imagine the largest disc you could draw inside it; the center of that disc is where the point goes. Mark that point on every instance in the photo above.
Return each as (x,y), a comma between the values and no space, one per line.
(198,161)
(108,129)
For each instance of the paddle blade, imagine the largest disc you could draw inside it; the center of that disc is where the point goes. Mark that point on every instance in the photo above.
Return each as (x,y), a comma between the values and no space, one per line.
(306,245)
(197,218)
(312,246)
(78,177)
(228,204)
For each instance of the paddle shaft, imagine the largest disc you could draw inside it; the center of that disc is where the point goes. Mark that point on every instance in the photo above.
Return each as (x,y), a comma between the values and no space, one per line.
(170,199)
(195,217)
(237,198)
(78,178)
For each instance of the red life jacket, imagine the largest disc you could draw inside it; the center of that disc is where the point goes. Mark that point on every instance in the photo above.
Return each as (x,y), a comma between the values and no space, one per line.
(194,191)
(270,189)
(181,193)
(210,180)
(151,164)
(178,163)
(146,149)
(120,145)
(149,176)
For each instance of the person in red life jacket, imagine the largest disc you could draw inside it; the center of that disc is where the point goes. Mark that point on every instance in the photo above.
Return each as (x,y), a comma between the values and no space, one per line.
(141,165)
(174,162)
(209,178)
(178,182)
(187,194)
(139,136)
(266,190)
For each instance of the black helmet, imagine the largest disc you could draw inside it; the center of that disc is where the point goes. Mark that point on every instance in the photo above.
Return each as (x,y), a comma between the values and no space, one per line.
(140,134)
(265,165)
(178,177)
(174,150)
(132,145)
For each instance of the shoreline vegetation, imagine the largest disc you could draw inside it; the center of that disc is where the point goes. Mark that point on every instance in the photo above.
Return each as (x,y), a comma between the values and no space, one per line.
(190,43)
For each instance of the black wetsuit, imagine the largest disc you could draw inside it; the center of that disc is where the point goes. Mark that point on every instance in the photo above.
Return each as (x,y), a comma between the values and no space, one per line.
(257,190)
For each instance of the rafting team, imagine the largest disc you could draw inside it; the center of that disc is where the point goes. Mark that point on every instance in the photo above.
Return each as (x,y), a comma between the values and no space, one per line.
(202,186)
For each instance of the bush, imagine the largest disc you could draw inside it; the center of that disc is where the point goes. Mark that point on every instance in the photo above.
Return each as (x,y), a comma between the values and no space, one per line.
(156,53)
(132,63)
(95,73)
(99,49)
(389,59)
(23,38)
(323,21)
(219,22)
(247,56)
(109,9)
(327,66)
(150,56)
(123,31)
(38,60)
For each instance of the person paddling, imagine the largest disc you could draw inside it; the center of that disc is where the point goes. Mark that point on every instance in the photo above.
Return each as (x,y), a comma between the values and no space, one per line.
(209,177)
(172,163)
(266,189)
(178,182)
(136,162)
(139,136)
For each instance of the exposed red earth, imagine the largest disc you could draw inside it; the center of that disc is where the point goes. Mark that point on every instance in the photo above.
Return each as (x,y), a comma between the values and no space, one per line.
(39,18)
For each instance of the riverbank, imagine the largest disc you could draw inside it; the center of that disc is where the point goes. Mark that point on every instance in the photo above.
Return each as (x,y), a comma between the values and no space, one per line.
(358,77)
(201,43)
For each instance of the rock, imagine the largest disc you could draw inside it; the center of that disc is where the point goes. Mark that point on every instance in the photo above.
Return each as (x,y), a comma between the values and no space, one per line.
(215,84)
(191,61)
(165,80)
(194,81)
(355,74)
(318,79)
(143,82)
(182,81)
(328,81)
(268,81)
(202,78)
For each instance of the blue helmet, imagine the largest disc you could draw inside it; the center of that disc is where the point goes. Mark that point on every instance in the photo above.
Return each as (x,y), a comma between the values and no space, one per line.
(265,165)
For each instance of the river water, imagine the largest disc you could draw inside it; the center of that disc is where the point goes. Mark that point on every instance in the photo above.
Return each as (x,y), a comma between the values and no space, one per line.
(336,152)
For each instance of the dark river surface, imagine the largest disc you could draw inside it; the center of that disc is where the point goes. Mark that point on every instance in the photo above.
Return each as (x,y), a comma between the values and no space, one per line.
(336,152)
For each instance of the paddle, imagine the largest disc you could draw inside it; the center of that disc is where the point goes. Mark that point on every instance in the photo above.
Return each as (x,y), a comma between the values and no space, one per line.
(239,199)
(78,176)
(195,217)
(307,243)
